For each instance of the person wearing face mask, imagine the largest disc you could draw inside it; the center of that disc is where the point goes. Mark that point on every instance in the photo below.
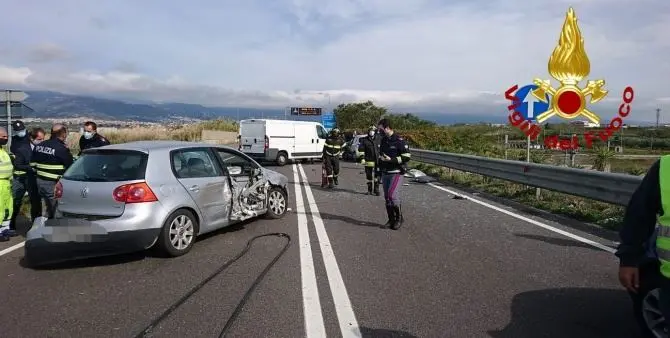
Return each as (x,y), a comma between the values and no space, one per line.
(50,159)
(36,136)
(368,154)
(24,175)
(91,138)
(393,157)
(6,200)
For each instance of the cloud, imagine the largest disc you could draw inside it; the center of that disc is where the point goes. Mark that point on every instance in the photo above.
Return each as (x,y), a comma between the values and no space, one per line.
(421,55)
(46,52)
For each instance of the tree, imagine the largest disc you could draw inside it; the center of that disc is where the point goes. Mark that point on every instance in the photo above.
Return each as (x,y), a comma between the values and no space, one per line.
(408,122)
(358,115)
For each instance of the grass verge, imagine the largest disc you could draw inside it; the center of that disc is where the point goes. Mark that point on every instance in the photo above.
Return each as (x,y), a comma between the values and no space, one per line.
(605,215)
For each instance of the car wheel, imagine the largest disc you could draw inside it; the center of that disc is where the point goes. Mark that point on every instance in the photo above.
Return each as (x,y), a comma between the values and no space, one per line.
(654,322)
(276,203)
(178,234)
(282,158)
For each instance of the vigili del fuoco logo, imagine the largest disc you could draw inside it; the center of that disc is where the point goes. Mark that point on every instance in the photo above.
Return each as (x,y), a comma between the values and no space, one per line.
(568,64)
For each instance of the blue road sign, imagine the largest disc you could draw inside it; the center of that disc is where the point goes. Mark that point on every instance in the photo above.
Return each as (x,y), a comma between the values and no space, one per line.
(328,121)
(530,106)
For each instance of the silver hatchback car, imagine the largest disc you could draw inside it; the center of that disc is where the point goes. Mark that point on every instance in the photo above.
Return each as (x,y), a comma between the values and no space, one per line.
(134,196)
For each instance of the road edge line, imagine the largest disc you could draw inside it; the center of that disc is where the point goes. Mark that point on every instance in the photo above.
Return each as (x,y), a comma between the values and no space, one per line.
(12,248)
(529,220)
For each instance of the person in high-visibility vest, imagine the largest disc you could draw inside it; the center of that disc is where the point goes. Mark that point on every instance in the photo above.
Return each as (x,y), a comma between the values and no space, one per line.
(332,150)
(649,205)
(368,155)
(50,159)
(6,200)
(24,175)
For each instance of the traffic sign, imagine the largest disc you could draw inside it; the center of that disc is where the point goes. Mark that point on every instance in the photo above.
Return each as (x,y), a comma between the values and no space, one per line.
(305,111)
(13,96)
(530,106)
(328,121)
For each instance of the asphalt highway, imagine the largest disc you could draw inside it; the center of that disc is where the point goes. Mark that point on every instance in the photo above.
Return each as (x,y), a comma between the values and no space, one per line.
(457,268)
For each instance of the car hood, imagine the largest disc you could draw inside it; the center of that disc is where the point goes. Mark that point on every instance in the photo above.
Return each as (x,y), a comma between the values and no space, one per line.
(275,178)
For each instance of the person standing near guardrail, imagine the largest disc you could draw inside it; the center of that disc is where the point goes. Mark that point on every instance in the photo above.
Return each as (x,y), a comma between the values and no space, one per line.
(368,155)
(393,157)
(639,235)
(50,159)
(6,200)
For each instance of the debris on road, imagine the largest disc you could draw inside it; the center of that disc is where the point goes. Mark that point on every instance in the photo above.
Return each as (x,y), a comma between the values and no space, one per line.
(419,176)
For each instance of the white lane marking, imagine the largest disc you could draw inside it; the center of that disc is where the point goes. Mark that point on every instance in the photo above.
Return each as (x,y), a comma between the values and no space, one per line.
(12,248)
(531,221)
(314,325)
(345,312)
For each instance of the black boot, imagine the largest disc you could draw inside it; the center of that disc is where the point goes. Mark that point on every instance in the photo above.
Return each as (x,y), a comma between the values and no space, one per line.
(335,180)
(330,182)
(376,187)
(398,218)
(369,188)
(391,215)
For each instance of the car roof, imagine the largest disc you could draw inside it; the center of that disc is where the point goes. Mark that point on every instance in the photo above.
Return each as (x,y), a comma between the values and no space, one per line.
(158,145)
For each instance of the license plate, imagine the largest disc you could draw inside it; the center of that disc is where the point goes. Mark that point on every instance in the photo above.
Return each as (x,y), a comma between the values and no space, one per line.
(246,146)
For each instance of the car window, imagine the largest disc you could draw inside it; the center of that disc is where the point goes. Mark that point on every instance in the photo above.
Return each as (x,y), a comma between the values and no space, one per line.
(230,159)
(194,163)
(321,132)
(108,166)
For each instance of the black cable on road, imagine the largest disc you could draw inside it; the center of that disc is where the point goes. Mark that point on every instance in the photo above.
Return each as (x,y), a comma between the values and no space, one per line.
(223,267)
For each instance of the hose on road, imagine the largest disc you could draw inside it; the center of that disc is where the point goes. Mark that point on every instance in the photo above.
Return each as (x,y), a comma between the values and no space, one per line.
(222,268)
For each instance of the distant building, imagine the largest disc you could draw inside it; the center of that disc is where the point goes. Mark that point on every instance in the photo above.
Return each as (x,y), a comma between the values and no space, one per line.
(585,124)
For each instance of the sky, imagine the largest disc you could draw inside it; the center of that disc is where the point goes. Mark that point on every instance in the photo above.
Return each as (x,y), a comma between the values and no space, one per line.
(419,55)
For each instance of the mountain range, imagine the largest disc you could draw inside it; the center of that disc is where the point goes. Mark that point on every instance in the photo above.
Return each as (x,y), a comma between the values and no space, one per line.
(54,105)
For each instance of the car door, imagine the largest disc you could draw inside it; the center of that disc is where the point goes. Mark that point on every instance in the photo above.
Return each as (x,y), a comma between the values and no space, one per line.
(245,176)
(203,178)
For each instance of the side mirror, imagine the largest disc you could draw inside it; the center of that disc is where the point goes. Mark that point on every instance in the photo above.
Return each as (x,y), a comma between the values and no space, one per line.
(234,170)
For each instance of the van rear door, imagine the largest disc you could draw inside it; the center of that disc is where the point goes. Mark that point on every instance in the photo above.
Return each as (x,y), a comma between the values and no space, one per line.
(252,136)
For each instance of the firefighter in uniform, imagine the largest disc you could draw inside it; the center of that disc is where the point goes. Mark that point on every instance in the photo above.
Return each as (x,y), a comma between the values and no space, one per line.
(91,138)
(368,155)
(6,200)
(332,150)
(24,175)
(50,160)
(393,157)
(639,235)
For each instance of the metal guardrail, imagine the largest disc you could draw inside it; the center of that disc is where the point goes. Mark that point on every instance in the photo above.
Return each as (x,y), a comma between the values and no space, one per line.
(596,185)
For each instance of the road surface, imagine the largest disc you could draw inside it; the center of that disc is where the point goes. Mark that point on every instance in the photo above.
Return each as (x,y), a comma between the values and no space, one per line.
(457,268)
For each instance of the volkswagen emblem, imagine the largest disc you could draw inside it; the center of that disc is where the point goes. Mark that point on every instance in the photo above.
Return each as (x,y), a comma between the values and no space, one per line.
(84,192)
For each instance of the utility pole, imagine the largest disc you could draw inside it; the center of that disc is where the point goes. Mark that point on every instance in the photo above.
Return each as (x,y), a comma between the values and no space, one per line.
(658,116)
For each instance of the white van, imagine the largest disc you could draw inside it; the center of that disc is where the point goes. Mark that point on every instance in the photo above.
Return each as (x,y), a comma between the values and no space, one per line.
(281,140)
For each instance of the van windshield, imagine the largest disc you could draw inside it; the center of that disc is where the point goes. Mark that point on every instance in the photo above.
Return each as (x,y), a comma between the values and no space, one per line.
(108,166)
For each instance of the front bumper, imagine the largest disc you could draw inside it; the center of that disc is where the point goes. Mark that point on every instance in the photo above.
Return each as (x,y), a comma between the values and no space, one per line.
(64,239)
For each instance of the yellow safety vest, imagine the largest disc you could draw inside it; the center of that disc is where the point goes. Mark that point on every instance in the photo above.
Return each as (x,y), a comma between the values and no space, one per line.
(6,166)
(663,239)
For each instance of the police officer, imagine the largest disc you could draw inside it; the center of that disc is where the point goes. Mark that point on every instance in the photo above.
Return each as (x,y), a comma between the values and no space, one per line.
(368,155)
(6,200)
(393,157)
(50,159)
(332,149)
(24,175)
(91,138)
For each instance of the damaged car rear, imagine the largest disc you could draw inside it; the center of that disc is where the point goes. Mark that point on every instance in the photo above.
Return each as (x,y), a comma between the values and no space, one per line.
(161,194)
